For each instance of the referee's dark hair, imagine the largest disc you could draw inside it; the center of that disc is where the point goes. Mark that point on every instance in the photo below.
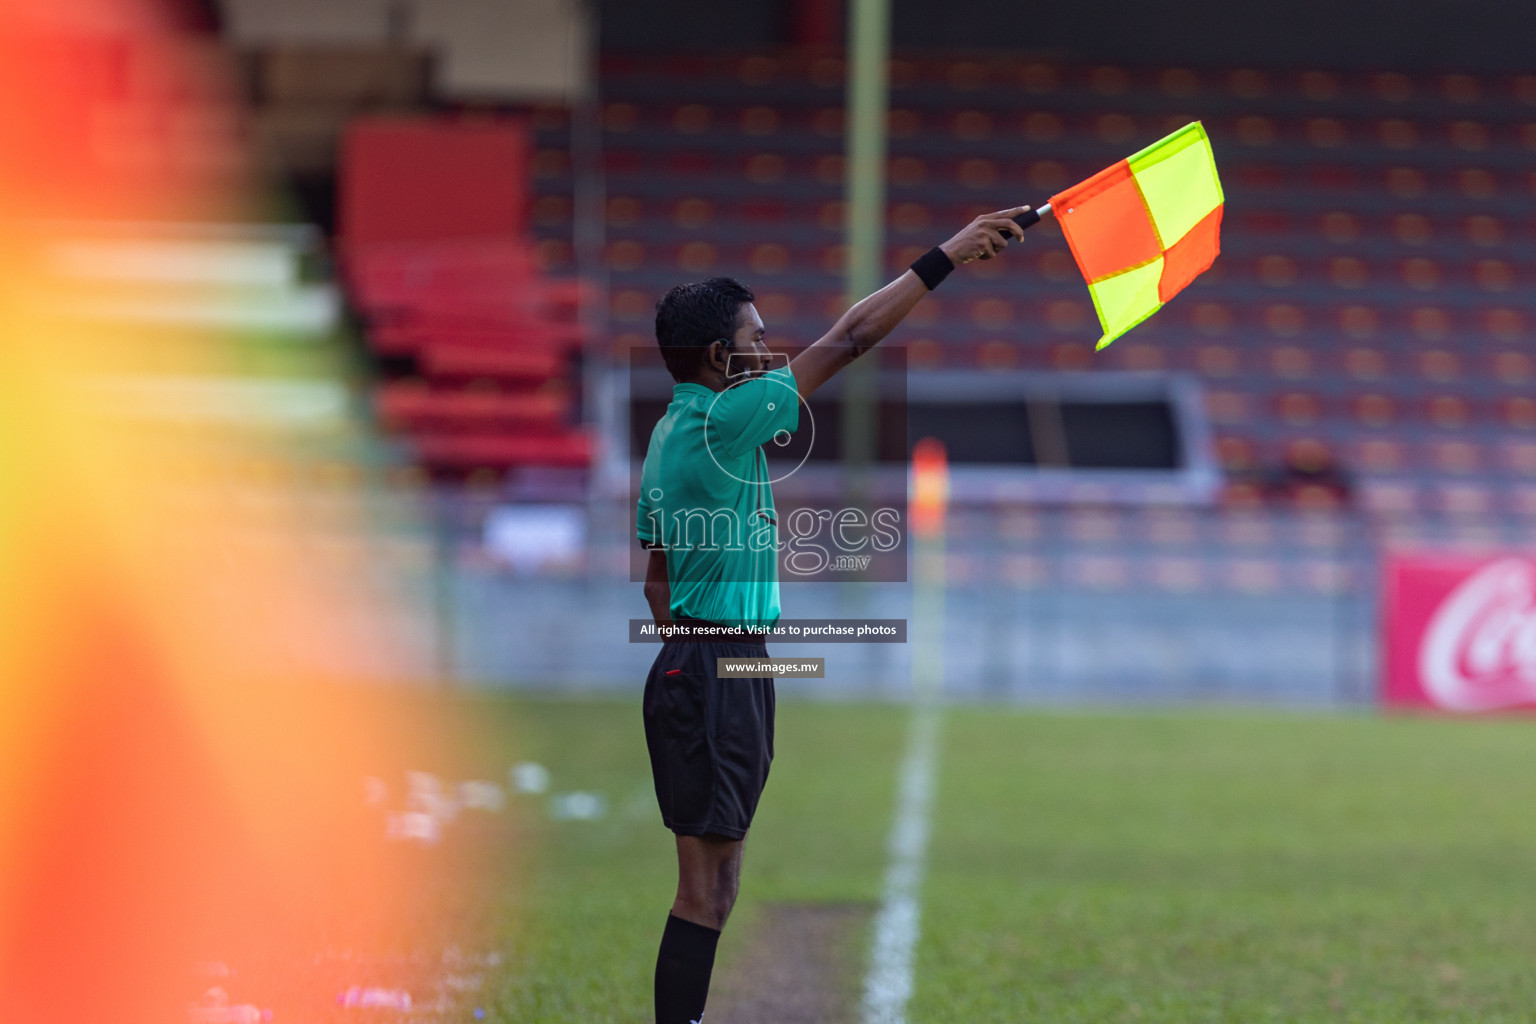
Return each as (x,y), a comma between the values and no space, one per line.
(692,316)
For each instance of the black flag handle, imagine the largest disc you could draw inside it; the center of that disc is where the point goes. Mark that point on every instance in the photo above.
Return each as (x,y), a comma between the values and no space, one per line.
(1029,218)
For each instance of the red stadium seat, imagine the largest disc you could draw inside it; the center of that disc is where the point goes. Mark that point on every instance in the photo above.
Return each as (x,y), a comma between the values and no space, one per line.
(1484,231)
(1326,132)
(765,168)
(1348,272)
(925,352)
(1144,357)
(1300,408)
(409,180)
(1420,274)
(1518,413)
(1512,367)
(1358,321)
(1390,497)
(479,362)
(1115,129)
(1469,136)
(910,218)
(620,117)
(1276,270)
(1406,183)
(1476,183)
(1450,412)
(1042,126)
(1071,357)
(1456,457)
(828,122)
(971,125)
(768,260)
(415,406)
(1430,323)
(1493,275)
(1520,457)
(691,119)
(1412,229)
(997,355)
(697,258)
(625,255)
(908,171)
(976,172)
(1439,365)
(1217,361)
(1285,320)
(1235,454)
(500,450)
(1365,363)
(1464,499)
(1380,456)
(1229,408)
(759,121)
(1373,410)
(1290,362)
(1256,131)
(763,211)
(900,123)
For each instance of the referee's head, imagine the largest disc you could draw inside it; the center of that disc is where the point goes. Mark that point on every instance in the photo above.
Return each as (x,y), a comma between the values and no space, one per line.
(697,326)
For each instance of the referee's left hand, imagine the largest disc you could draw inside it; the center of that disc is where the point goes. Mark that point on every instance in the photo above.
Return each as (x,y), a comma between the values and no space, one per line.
(984,237)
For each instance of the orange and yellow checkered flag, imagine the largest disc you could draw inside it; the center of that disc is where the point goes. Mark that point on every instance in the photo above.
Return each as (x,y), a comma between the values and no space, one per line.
(1144,228)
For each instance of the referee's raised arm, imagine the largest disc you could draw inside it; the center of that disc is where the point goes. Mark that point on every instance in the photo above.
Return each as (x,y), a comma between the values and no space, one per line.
(872,318)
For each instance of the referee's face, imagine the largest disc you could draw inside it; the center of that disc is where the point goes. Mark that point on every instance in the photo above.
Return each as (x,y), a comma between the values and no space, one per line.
(749,354)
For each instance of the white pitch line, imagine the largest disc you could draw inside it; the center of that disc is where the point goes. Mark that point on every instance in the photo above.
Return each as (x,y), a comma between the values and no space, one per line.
(888,985)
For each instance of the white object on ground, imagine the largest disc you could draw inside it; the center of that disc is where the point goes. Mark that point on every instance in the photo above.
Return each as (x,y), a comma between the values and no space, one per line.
(577,806)
(528,777)
(412,825)
(481,795)
(427,794)
(386,998)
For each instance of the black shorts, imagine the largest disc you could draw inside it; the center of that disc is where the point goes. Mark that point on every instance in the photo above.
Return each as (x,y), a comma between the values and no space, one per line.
(710,739)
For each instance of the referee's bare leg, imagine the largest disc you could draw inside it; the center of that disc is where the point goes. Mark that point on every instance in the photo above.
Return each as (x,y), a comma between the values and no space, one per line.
(708,876)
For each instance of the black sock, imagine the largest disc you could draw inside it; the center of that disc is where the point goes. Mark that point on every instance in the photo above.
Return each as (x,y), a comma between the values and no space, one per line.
(683,967)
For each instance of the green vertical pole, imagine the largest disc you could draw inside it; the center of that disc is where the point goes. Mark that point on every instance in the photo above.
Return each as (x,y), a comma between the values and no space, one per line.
(869,47)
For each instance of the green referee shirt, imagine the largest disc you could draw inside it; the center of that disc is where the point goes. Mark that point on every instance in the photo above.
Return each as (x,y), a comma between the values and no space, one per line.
(705,497)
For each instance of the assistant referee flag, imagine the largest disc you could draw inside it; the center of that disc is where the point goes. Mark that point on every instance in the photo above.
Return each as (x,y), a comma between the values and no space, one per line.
(1145,227)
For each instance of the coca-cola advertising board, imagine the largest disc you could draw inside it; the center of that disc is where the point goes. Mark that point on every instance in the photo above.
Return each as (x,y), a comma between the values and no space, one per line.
(1459,632)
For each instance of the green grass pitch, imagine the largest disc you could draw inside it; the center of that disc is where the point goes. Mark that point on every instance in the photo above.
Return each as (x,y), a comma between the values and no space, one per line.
(1174,866)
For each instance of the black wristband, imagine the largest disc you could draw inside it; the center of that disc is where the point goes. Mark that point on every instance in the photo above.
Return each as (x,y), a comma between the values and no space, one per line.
(932,267)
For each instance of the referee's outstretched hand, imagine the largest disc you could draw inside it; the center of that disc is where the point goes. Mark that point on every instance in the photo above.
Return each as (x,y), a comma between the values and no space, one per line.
(984,237)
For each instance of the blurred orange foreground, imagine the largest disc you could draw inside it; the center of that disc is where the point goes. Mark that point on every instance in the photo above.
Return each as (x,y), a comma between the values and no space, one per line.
(171,788)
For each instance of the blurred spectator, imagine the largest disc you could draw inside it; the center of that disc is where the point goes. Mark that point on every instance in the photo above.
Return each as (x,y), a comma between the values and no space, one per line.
(1309,477)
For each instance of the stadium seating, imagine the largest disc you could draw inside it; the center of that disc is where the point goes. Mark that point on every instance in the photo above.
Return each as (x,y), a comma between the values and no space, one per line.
(1373,298)
(432,235)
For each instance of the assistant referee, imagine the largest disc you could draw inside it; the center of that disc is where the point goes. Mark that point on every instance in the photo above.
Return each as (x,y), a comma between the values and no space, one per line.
(706,514)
